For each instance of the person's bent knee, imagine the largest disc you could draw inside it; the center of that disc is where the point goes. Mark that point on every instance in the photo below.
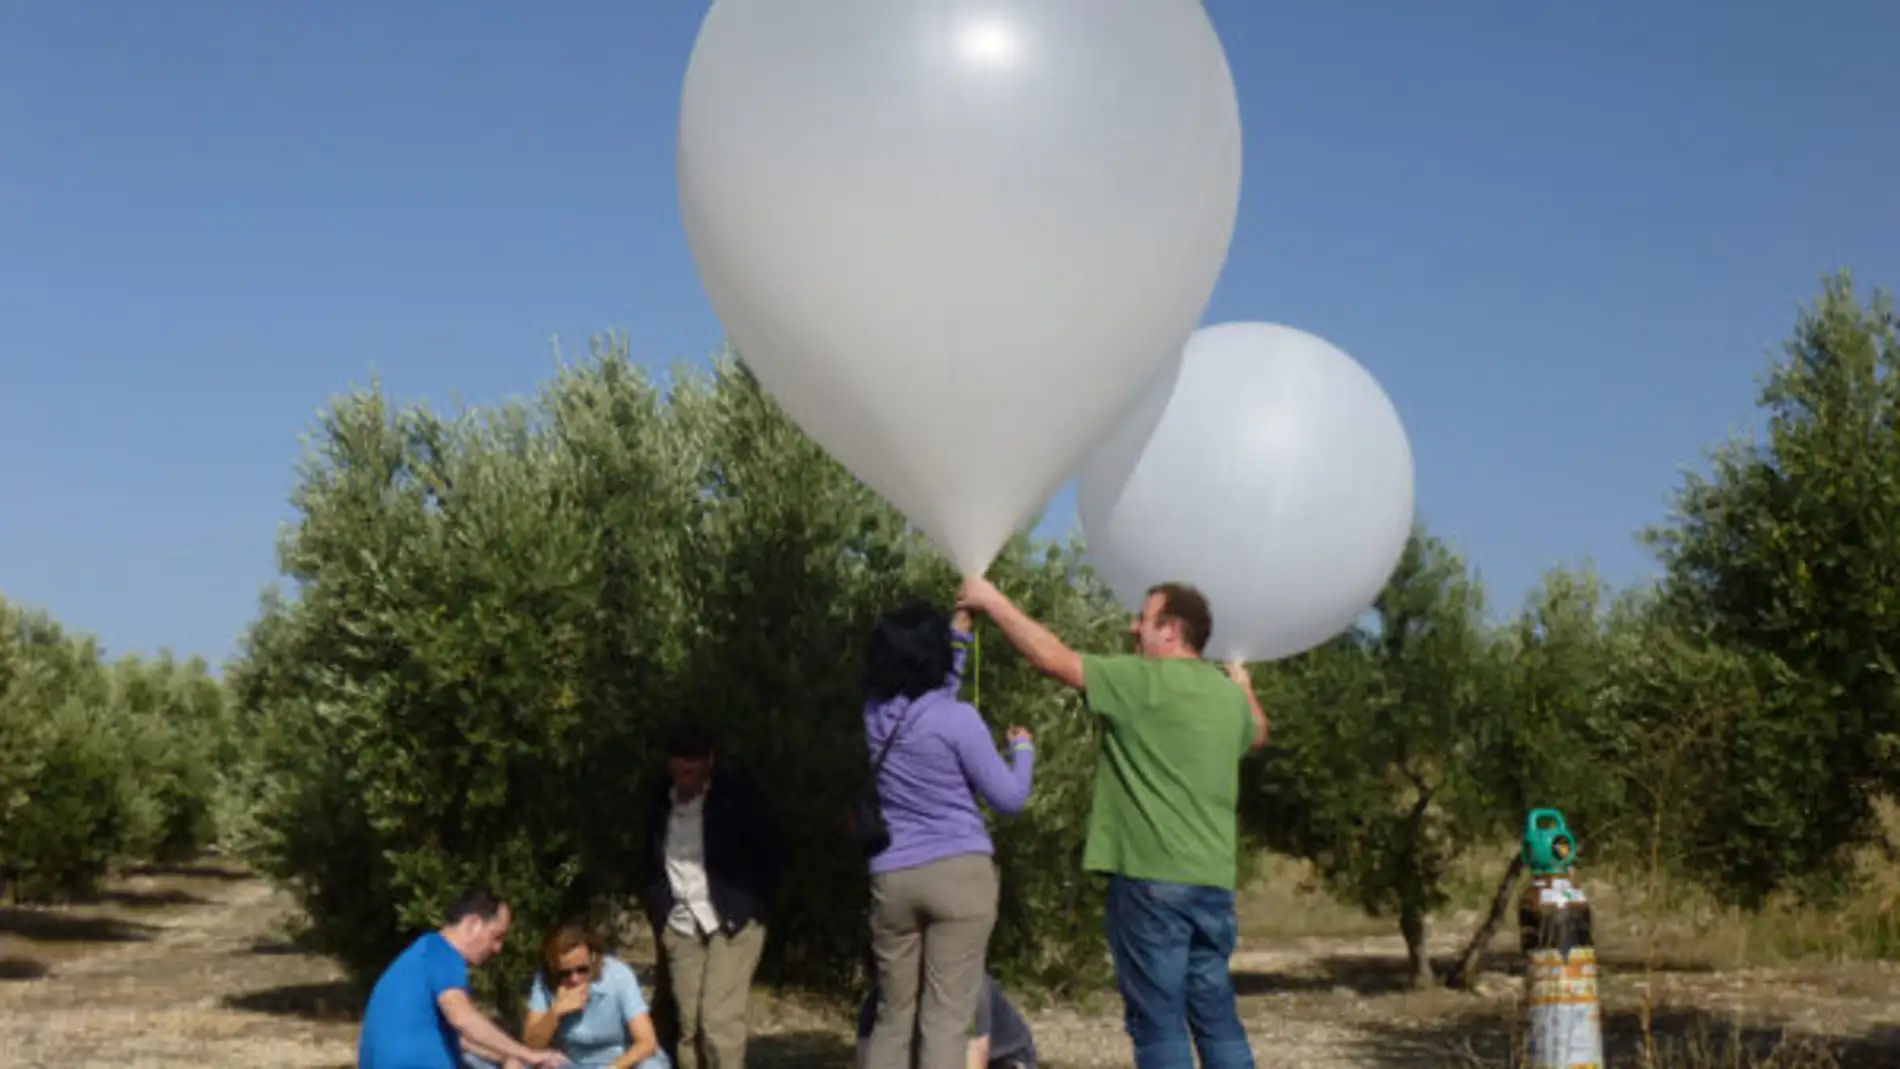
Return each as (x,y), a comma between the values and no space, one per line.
(1226,1054)
(1171,1053)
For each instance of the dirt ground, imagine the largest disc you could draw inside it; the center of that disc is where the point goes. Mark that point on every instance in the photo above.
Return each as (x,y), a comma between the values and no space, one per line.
(185,968)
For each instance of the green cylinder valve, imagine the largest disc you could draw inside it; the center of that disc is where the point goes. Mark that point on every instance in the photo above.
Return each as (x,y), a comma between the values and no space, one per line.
(1549,848)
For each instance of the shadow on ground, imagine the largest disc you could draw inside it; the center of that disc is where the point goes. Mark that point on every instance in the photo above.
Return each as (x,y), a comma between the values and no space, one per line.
(1679,1037)
(48,926)
(13,970)
(276,948)
(789,1050)
(159,899)
(1371,975)
(1361,976)
(205,871)
(799,1050)
(335,1002)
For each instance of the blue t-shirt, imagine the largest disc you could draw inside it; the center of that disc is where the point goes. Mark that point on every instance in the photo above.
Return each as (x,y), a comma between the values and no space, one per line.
(402,1027)
(597,1035)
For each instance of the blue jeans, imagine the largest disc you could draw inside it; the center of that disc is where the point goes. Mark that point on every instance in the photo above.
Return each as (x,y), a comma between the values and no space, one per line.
(1171,943)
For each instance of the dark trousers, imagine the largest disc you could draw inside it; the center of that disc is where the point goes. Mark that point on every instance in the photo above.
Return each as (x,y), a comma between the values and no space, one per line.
(1171,943)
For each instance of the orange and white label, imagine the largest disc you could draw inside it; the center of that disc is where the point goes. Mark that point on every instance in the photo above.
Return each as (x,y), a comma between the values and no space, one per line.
(1566,1026)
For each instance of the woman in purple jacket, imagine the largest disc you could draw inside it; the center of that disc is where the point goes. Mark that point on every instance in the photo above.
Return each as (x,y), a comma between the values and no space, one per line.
(934,889)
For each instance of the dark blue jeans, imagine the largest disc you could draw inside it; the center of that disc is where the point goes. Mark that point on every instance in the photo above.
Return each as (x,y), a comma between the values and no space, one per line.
(1171,943)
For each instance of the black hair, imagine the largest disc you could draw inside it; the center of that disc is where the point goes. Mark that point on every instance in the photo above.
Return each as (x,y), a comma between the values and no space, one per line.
(690,739)
(475,902)
(910,652)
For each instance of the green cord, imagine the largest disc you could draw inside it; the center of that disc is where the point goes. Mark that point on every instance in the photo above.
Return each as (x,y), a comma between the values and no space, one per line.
(976,668)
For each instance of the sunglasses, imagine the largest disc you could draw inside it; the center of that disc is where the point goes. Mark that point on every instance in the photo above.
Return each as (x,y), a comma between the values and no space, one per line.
(576,970)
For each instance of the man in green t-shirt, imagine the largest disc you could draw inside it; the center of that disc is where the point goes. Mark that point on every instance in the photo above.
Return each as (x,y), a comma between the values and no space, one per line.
(1162,825)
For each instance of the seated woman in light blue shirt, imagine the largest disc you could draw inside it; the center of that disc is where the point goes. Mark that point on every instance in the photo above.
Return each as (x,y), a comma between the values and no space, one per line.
(592,1012)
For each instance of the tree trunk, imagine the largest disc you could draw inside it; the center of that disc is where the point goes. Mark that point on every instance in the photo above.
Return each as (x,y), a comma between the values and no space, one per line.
(1412,905)
(1412,926)
(1464,975)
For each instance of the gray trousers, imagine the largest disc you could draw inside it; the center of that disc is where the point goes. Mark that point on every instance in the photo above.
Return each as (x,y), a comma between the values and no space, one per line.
(710,979)
(930,933)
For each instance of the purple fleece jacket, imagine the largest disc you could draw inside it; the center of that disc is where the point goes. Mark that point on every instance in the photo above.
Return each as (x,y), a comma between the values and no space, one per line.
(941,762)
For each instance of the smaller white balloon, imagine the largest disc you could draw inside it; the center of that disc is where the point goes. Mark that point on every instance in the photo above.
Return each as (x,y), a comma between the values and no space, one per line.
(1266,467)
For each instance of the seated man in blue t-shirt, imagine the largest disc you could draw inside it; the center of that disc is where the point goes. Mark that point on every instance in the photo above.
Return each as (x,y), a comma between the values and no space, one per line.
(420,1015)
(999,1037)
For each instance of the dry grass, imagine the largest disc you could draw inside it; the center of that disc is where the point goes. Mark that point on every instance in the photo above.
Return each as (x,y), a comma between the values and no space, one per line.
(1687,984)
(184,969)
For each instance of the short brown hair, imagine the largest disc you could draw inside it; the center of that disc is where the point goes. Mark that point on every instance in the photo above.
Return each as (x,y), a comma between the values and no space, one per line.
(562,941)
(1184,604)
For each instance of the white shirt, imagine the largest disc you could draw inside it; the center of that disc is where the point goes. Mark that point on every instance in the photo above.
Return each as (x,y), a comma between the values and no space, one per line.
(693,911)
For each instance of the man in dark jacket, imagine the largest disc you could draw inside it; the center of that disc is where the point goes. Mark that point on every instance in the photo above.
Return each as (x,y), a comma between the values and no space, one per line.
(714,855)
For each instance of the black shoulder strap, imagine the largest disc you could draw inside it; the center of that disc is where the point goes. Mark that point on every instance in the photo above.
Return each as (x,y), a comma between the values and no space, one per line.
(910,714)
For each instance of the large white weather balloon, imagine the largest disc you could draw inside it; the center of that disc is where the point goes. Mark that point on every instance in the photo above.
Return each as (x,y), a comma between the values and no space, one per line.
(1269,469)
(954,237)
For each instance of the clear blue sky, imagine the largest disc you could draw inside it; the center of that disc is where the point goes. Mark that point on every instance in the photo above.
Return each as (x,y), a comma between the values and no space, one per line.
(1564,236)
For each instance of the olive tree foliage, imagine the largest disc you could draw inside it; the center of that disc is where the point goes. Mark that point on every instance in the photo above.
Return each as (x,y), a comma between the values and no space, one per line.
(102,764)
(498,614)
(1540,746)
(1586,717)
(1554,656)
(1731,725)
(70,809)
(1370,771)
(28,686)
(1783,577)
(482,601)
(1687,712)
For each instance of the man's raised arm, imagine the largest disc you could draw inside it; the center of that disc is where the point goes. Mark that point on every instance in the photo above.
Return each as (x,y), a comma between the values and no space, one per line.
(1044,651)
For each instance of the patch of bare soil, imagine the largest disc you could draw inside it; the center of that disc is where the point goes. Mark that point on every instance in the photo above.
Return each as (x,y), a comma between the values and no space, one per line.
(171,969)
(184,969)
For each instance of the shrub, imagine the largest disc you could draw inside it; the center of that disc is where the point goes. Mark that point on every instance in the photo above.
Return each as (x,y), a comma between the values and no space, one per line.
(500,613)
(71,812)
(100,764)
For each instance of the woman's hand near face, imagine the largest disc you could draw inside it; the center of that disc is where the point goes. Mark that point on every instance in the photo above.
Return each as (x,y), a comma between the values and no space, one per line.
(539,1028)
(571,999)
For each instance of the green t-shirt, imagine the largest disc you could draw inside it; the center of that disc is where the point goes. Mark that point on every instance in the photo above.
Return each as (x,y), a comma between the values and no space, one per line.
(1168,779)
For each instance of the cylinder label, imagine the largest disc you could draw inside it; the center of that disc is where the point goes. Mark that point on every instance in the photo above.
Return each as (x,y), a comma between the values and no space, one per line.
(1566,1027)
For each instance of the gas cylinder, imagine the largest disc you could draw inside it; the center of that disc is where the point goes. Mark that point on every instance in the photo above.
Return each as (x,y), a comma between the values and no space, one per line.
(1560,960)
